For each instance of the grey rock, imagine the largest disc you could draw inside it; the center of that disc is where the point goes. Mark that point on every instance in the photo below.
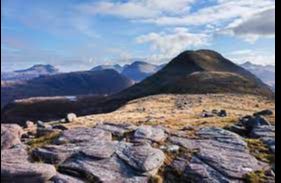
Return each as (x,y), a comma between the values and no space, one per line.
(153,134)
(143,158)
(61,178)
(118,130)
(104,170)
(15,167)
(79,135)
(198,171)
(266,134)
(56,154)
(265,112)
(252,122)
(10,135)
(223,156)
(71,117)
(41,124)
(222,113)
(239,129)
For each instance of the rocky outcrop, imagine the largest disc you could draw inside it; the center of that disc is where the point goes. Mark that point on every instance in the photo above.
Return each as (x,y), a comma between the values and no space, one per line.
(266,134)
(258,127)
(15,167)
(95,155)
(220,156)
(10,135)
(91,153)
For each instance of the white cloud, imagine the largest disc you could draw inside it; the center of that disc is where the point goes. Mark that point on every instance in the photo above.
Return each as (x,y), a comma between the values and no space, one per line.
(170,44)
(137,9)
(256,57)
(253,27)
(223,11)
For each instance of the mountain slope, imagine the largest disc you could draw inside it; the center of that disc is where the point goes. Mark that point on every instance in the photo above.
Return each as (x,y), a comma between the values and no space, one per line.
(202,71)
(76,83)
(192,72)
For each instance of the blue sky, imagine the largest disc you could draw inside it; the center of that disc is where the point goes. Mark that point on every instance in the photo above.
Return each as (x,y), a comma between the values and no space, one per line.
(80,34)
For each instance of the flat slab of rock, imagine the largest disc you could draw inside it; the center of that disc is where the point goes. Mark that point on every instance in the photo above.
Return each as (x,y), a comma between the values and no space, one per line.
(16,168)
(105,170)
(143,158)
(117,129)
(10,135)
(56,154)
(79,135)
(221,155)
(153,134)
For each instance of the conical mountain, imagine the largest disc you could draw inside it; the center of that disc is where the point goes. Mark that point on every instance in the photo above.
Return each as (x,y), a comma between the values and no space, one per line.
(199,72)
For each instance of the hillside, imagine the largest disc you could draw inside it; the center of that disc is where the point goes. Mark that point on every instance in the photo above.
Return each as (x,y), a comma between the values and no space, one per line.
(70,84)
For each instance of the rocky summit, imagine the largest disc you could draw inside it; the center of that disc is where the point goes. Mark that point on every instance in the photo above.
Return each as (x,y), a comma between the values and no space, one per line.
(111,152)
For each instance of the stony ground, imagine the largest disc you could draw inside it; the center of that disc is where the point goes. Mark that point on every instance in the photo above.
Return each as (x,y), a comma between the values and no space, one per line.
(177,111)
(158,139)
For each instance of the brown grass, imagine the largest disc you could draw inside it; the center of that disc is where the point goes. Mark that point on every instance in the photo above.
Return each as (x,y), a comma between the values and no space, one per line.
(163,110)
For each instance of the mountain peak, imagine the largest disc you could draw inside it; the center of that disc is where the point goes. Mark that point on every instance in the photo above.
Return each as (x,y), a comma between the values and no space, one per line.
(41,69)
(200,72)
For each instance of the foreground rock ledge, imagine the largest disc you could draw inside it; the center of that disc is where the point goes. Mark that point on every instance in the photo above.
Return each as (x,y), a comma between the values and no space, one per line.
(92,155)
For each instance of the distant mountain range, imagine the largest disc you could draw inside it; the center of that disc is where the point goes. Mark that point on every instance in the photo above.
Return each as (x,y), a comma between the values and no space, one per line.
(137,71)
(140,70)
(265,73)
(30,73)
(103,82)
(191,72)
(46,80)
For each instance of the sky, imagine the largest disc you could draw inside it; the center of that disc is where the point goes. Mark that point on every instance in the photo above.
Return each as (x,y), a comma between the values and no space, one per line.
(80,34)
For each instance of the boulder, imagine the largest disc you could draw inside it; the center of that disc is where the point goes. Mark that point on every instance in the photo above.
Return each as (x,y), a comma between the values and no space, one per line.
(149,133)
(143,158)
(10,135)
(222,113)
(15,167)
(79,135)
(265,112)
(252,122)
(71,117)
